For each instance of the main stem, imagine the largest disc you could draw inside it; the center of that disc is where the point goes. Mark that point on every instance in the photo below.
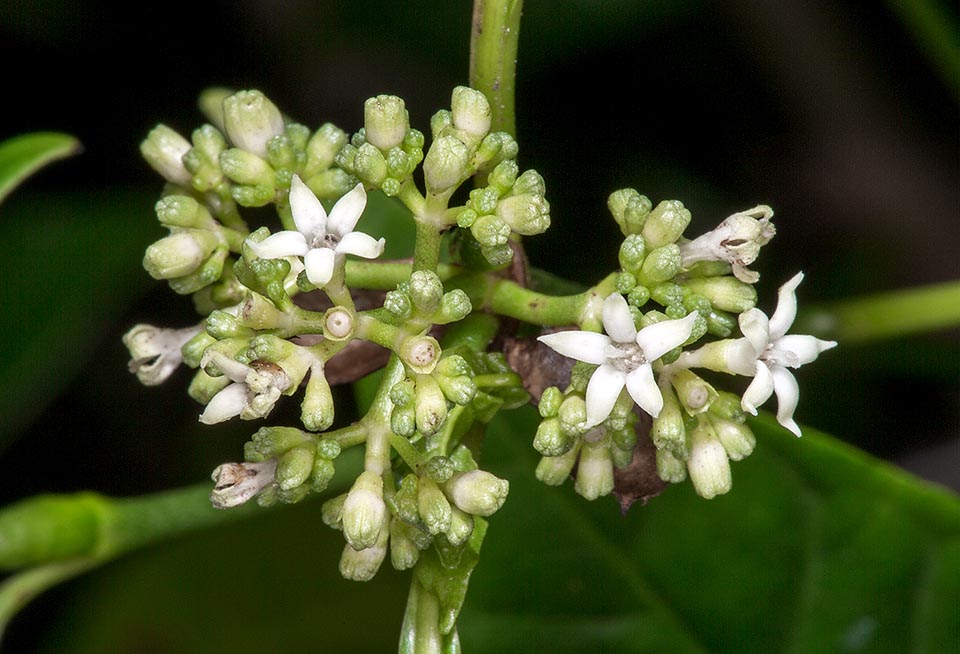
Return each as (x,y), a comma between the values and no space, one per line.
(493,57)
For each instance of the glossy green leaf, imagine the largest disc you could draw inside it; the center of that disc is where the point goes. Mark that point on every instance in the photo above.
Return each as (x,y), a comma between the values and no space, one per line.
(21,156)
(818,548)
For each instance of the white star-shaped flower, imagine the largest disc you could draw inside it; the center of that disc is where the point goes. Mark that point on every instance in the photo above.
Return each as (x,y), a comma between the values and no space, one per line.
(320,239)
(625,357)
(775,352)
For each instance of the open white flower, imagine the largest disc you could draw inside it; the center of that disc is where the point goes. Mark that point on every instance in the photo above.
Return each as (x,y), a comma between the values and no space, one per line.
(155,351)
(774,352)
(624,356)
(252,394)
(321,239)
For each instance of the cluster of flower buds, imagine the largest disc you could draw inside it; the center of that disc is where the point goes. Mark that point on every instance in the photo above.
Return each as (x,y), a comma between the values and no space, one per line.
(705,288)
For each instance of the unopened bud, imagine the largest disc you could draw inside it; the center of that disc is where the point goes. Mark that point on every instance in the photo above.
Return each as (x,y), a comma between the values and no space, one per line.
(364,512)
(250,120)
(470,111)
(362,565)
(385,121)
(294,467)
(433,506)
(724,293)
(632,252)
(246,168)
(737,438)
(708,465)
(404,552)
(369,165)
(555,470)
(445,165)
(526,214)
(430,405)
(669,468)
(595,470)
(660,265)
(426,290)
(665,223)
(629,209)
(317,408)
(164,150)
(184,211)
(461,526)
(477,492)
(179,254)
(322,149)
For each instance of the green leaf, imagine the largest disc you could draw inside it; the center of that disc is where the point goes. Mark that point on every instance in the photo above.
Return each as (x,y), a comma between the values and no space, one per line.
(21,156)
(818,548)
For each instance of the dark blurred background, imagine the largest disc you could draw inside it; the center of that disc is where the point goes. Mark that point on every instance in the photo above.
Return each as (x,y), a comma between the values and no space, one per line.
(840,115)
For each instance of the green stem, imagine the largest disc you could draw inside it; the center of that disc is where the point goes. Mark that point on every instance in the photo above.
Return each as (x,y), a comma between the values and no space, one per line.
(510,299)
(426,253)
(385,275)
(493,57)
(885,316)
(20,589)
(336,288)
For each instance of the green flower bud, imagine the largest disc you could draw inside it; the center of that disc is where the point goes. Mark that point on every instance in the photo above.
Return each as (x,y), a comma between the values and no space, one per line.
(385,121)
(526,214)
(210,103)
(708,465)
(323,471)
(208,273)
(362,565)
(426,291)
(494,148)
(572,413)
(461,527)
(257,312)
(625,282)
(490,231)
(164,150)
(695,394)
(721,323)
(430,405)
(202,160)
(632,251)
(404,502)
(331,511)
(638,296)
(668,294)
(440,469)
(484,200)
(402,393)
(317,408)
(364,514)
(294,467)
(580,376)
(446,165)
(193,349)
(460,390)
(629,209)
(550,401)
(670,468)
(529,183)
(724,293)
(503,176)
(665,224)
(727,407)
(250,120)
(555,470)
(330,184)
(477,492)
(246,168)
(737,438)
(282,155)
(661,264)
(595,470)
(550,440)
(272,442)
(221,324)
(370,165)
(179,254)
(454,306)
(184,211)
(404,552)
(668,431)
(440,122)
(470,112)
(398,303)
(293,495)
(322,149)
(269,496)
(433,506)
(621,458)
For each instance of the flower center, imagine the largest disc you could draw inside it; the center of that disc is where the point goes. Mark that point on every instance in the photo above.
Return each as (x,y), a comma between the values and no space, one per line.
(625,357)
(327,240)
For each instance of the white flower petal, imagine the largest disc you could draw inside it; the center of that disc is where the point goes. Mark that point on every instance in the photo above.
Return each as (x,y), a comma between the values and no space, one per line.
(805,348)
(788,395)
(644,390)
(319,265)
(281,244)
(786,311)
(602,393)
(617,321)
(589,347)
(347,211)
(756,328)
(308,214)
(233,369)
(360,244)
(759,390)
(658,339)
(226,404)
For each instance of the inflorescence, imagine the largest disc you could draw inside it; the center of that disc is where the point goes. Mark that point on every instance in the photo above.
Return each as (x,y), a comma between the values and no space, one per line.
(284,312)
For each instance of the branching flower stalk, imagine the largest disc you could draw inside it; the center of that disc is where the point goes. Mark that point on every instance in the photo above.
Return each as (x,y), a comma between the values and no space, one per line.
(281,307)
